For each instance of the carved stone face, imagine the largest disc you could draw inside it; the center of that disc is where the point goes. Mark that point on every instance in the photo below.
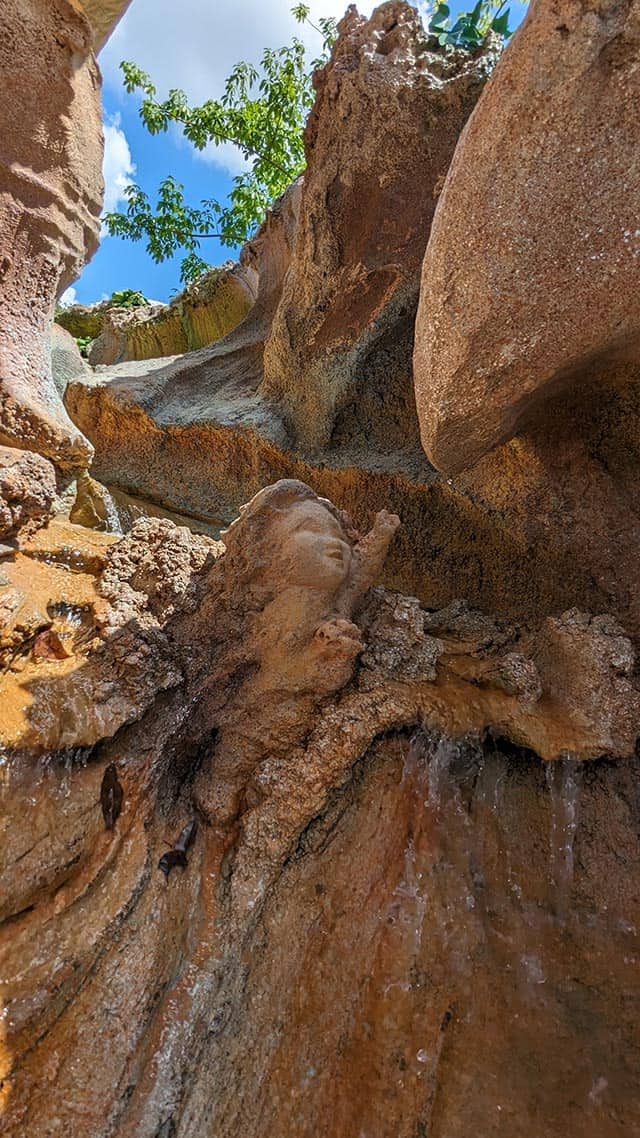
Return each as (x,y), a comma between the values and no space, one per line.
(310,547)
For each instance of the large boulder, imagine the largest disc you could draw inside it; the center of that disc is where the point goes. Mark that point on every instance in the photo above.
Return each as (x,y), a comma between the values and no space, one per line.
(532,272)
(386,119)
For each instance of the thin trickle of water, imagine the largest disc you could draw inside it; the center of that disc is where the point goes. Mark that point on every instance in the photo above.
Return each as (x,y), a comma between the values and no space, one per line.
(563,779)
(114,524)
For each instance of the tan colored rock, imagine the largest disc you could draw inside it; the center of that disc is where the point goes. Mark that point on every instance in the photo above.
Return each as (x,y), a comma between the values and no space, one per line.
(86,320)
(103,16)
(532,271)
(50,199)
(27,491)
(386,119)
(214,389)
(66,361)
(203,313)
(369,918)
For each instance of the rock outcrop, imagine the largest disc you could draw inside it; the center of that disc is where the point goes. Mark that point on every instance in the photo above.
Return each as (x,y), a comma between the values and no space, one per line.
(204,312)
(378,143)
(532,274)
(50,198)
(67,363)
(307,754)
(280,842)
(27,491)
(103,16)
(202,434)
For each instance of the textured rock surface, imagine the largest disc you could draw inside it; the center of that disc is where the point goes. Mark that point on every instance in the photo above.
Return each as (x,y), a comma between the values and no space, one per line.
(379,918)
(533,267)
(27,491)
(203,313)
(66,361)
(103,16)
(84,319)
(378,143)
(208,394)
(50,199)
(546,523)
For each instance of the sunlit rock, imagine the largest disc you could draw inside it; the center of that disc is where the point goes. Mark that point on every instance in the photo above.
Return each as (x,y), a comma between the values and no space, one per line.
(532,273)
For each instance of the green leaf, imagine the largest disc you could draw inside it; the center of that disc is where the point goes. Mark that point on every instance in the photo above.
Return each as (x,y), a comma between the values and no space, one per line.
(500,24)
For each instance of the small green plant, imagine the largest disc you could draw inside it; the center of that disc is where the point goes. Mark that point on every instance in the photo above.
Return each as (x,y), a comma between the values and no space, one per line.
(83,344)
(471,28)
(128,298)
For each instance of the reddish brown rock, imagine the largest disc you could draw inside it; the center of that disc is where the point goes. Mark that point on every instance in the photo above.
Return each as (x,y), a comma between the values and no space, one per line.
(532,273)
(386,119)
(369,918)
(27,491)
(50,199)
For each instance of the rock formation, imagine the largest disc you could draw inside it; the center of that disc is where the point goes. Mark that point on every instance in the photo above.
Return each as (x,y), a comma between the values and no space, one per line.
(266,691)
(242,422)
(103,16)
(50,199)
(387,116)
(204,312)
(542,197)
(200,435)
(285,849)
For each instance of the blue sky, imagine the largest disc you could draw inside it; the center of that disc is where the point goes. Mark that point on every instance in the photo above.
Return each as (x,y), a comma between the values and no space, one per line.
(193,45)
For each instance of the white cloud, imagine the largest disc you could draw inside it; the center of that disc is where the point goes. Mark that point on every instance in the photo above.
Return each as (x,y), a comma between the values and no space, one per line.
(194,45)
(68,297)
(117,166)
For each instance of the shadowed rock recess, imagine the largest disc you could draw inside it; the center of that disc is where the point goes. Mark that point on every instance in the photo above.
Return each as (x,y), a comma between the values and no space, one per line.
(286,849)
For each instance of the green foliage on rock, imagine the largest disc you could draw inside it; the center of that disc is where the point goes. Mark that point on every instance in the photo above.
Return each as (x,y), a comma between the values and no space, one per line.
(128,298)
(83,344)
(470,29)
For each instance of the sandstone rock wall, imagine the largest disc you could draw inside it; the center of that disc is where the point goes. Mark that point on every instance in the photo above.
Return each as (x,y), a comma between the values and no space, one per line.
(377,914)
(204,312)
(386,119)
(50,199)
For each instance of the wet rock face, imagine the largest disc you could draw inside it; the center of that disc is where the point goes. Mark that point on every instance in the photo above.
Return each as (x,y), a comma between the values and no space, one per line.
(444,919)
(359,908)
(50,199)
(450,958)
(386,119)
(541,197)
